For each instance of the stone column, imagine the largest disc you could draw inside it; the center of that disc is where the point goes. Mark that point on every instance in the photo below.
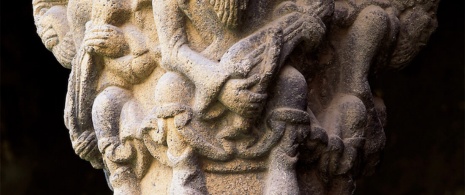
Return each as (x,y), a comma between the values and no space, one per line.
(230,96)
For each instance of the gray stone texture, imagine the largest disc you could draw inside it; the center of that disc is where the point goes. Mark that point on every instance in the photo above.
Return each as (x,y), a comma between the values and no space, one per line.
(230,96)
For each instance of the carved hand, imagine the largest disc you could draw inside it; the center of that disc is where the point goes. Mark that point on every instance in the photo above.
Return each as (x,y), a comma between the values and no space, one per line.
(317,142)
(106,40)
(320,8)
(330,159)
(86,148)
(237,97)
(308,28)
(120,153)
(239,65)
(65,51)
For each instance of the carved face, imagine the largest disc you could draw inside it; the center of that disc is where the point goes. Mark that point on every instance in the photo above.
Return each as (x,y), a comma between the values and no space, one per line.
(229,12)
(416,27)
(42,6)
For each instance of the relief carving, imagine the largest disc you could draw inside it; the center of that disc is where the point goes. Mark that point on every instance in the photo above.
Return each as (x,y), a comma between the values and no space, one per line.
(230,96)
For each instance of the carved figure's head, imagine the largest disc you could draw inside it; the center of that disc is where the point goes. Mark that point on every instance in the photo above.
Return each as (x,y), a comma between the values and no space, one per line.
(114,12)
(417,25)
(41,6)
(50,19)
(229,12)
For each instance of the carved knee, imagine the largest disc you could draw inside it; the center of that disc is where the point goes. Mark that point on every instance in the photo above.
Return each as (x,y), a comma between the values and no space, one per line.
(352,116)
(290,90)
(374,20)
(106,111)
(173,88)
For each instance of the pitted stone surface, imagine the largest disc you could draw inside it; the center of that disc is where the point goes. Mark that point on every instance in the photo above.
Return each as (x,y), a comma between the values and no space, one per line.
(230,96)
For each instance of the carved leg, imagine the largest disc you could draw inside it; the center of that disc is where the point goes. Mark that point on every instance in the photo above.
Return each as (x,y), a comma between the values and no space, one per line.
(282,177)
(173,92)
(359,47)
(187,177)
(348,114)
(346,123)
(123,179)
(287,106)
(105,116)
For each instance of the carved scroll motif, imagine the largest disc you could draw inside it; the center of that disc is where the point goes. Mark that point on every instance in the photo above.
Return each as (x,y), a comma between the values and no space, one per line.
(230,96)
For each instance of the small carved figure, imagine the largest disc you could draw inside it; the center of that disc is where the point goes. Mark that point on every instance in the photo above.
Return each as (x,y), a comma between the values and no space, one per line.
(353,118)
(110,60)
(52,27)
(58,36)
(118,48)
(234,75)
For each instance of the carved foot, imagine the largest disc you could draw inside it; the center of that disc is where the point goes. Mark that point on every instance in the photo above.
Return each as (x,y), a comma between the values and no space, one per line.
(124,182)
(187,176)
(282,177)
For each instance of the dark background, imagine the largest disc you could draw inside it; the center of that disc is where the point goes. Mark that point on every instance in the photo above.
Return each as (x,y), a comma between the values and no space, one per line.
(425,103)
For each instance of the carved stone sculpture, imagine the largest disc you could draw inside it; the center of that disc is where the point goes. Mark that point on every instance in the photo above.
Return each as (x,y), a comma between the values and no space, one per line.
(230,96)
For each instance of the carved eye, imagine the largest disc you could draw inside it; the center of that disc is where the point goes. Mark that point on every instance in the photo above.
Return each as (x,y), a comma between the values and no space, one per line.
(40,8)
(43,11)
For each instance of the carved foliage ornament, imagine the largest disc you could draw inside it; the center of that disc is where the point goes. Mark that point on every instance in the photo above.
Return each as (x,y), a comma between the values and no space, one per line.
(230,96)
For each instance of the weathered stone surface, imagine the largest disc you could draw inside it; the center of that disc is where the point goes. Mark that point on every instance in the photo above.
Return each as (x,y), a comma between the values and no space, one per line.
(230,96)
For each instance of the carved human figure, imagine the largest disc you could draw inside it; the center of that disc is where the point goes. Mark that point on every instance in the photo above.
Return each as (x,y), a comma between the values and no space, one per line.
(113,54)
(350,107)
(230,81)
(353,118)
(60,36)
(52,27)
(125,56)
(207,89)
